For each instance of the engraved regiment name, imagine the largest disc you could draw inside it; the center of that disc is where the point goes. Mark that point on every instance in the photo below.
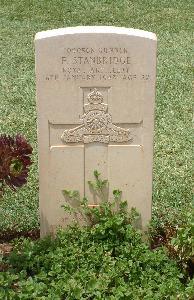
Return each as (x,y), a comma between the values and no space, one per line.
(96,124)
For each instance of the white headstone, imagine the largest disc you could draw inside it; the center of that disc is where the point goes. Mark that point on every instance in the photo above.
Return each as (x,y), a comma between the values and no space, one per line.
(95,100)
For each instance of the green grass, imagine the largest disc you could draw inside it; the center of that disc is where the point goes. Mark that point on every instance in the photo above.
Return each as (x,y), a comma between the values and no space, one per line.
(170,20)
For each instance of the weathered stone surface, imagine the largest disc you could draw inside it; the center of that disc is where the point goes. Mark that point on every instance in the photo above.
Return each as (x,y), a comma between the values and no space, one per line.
(95,102)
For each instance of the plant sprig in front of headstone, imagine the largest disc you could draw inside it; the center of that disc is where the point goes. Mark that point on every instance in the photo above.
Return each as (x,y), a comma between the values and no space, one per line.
(105,210)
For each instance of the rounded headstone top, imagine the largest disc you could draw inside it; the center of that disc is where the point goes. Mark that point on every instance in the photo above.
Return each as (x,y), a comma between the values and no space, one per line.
(95,30)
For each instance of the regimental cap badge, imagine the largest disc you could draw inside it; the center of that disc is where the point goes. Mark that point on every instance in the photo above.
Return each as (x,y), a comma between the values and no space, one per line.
(95,99)
(96,124)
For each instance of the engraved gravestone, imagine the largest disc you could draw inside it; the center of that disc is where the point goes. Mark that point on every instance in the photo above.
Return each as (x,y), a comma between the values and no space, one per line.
(95,102)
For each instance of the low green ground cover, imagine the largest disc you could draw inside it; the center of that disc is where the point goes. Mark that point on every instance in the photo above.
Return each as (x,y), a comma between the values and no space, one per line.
(107,259)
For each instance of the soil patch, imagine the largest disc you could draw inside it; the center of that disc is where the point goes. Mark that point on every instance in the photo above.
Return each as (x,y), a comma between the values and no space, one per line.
(8,235)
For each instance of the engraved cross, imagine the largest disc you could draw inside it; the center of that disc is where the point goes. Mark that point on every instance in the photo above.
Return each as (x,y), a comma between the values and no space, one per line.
(97,128)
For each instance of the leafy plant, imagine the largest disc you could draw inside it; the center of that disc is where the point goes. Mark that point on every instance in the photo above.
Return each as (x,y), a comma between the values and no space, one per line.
(14,161)
(178,239)
(99,186)
(93,214)
(106,259)
(183,243)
